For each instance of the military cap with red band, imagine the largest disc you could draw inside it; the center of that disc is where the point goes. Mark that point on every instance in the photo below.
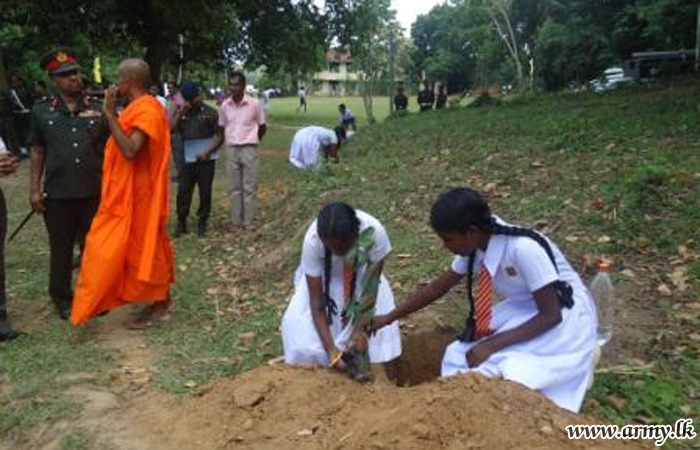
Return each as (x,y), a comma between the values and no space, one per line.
(59,61)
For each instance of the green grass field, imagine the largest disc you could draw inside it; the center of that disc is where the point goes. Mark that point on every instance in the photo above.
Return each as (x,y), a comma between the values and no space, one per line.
(324,110)
(614,176)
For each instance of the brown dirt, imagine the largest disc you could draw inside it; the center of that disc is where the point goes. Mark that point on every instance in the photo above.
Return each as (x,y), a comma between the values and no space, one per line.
(281,407)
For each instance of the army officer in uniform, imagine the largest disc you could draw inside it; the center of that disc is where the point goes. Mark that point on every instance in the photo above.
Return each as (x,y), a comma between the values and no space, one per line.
(68,137)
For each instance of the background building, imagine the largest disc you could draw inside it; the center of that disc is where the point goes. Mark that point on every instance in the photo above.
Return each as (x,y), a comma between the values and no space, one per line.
(338,78)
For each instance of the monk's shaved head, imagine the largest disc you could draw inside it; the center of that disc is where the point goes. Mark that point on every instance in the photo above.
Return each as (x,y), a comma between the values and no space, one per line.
(136,71)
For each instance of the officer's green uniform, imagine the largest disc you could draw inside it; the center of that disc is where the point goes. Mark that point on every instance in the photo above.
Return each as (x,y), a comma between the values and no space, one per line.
(73,145)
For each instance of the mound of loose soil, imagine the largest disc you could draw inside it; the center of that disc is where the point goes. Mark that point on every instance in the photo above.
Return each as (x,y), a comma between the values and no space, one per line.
(280,407)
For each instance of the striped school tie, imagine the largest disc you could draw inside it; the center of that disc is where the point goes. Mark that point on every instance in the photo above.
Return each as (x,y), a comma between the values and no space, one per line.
(483,303)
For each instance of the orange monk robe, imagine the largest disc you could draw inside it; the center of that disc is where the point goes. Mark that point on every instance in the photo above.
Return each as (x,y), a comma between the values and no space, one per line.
(128,256)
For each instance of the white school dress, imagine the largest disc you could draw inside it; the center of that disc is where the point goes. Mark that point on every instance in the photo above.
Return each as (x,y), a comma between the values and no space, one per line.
(558,363)
(307,145)
(300,339)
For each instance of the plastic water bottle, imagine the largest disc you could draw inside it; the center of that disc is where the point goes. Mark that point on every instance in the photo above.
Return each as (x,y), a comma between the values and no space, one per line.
(604,295)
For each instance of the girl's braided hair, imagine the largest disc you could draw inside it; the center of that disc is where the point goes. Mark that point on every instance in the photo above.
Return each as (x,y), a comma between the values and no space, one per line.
(462,209)
(335,221)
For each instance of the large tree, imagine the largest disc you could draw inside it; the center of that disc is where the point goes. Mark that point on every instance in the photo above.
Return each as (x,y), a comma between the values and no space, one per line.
(443,47)
(365,27)
(553,42)
(216,33)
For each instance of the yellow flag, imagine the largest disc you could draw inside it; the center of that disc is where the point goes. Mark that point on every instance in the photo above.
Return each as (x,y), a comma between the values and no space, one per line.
(97,74)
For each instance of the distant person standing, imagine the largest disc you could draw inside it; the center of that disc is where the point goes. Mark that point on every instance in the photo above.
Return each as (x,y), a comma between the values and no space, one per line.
(265,97)
(39,90)
(302,99)
(175,101)
(21,99)
(441,98)
(347,120)
(173,94)
(153,89)
(202,136)
(400,102)
(243,120)
(68,136)
(426,98)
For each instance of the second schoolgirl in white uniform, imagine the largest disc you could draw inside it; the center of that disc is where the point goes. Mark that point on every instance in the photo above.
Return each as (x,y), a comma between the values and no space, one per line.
(542,334)
(314,328)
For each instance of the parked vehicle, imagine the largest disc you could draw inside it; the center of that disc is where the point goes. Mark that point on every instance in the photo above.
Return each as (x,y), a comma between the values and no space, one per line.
(612,78)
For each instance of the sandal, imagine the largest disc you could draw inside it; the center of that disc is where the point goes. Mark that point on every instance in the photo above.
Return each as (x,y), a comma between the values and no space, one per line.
(150,315)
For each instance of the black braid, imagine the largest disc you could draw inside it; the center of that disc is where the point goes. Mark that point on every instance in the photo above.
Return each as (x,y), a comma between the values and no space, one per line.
(469,333)
(335,221)
(328,305)
(563,290)
(518,231)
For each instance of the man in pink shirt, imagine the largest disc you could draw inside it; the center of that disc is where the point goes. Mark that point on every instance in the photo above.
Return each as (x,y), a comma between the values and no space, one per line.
(243,120)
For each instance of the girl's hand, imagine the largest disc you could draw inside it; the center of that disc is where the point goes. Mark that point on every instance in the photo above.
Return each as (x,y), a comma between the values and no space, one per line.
(479,353)
(336,360)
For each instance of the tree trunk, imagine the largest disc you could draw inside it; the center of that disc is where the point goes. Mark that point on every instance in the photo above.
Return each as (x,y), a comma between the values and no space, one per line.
(369,86)
(4,85)
(157,42)
(392,74)
(495,8)
(156,55)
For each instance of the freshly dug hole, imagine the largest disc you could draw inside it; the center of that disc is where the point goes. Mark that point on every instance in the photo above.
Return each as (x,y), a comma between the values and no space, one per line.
(420,359)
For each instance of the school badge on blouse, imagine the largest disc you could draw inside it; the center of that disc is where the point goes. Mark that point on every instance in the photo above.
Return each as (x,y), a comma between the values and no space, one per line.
(510,270)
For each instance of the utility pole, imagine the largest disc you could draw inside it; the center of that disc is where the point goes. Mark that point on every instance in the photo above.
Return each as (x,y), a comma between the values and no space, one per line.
(392,78)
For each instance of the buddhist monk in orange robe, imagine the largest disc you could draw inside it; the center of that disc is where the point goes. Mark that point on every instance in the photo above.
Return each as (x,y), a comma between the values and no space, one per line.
(128,256)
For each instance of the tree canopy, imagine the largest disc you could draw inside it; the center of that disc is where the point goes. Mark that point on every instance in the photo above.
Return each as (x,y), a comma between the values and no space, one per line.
(544,42)
(280,34)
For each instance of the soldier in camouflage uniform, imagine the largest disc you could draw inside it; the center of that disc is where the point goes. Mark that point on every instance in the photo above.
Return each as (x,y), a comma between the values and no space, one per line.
(68,137)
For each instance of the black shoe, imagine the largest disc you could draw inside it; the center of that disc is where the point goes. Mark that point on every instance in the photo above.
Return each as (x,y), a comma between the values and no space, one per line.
(202,228)
(63,309)
(7,333)
(64,313)
(181,228)
(11,335)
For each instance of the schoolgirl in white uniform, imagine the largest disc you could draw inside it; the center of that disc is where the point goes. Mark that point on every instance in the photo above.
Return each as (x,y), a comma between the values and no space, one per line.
(341,265)
(543,332)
